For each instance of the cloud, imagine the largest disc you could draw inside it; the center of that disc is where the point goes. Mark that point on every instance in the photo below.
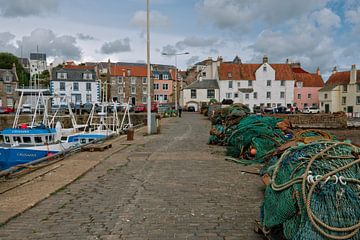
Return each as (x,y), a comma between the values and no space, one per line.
(85,37)
(25,8)
(241,15)
(326,19)
(5,42)
(157,19)
(46,41)
(196,42)
(117,46)
(169,49)
(191,61)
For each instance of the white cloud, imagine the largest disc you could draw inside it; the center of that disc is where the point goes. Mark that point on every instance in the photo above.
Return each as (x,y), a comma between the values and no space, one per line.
(157,19)
(24,8)
(192,60)
(326,19)
(196,42)
(117,46)
(5,42)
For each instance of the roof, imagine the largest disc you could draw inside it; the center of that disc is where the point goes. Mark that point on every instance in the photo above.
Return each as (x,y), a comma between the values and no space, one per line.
(309,79)
(328,87)
(203,84)
(73,74)
(247,71)
(79,67)
(38,56)
(340,78)
(135,71)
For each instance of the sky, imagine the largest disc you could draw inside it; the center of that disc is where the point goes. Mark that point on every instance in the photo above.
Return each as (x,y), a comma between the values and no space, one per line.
(316,33)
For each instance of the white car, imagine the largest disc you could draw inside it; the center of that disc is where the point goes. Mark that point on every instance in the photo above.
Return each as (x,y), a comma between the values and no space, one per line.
(311,110)
(26,108)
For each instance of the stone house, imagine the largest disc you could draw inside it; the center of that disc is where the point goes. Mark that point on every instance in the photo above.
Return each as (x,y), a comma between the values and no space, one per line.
(8,83)
(201,91)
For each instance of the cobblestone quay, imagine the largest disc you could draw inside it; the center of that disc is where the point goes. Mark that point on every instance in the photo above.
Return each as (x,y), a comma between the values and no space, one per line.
(167,186)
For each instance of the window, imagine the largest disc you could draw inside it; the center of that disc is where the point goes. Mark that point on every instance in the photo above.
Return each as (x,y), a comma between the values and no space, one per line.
(268,94)
(120,89)
(156,76)
(210,93)
(299,84)
(165,97)
(357,100)
(156,97)
(76,86)
(282,94)
(120,80)
(17,139)
(87,76)
(144,80)
(10,102)
(26,140)
(144,99)
(204,74)
(133,89)
(88,98)
(165,86)
(229,75)
(62,86)
(299,96)
(309,95)
(230,84)
(228,95)
(325,96)
(133,80)
(156,86)
(8,78)
(250,83)
(238,84)
(62,75)
(193,93)
(8,89)
(128,72)
(246,96)
(255,95)
(236,95)
(344,88)
(88,86)
(264,68)
(144,89)
(7,139)
(38,139)
(268,83)
(343,100)
(165,76)
(282,83)
(358,87)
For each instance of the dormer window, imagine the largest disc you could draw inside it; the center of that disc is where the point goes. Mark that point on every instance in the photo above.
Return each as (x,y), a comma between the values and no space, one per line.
(129,72)
(299,84)
(166,77)
(156,76)
(87,76)
(229,75)
(61,75)
(8,78)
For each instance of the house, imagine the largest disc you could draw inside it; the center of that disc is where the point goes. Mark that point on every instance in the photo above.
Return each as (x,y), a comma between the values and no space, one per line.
(77,82)
(164,84)
(307,86)
(8,83)
(129,82)
(264,84)
(341,92)
(37,65)
(201,91)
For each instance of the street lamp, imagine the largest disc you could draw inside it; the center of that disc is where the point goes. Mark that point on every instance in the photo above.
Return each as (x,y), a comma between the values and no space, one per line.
(148,67)
(181,82)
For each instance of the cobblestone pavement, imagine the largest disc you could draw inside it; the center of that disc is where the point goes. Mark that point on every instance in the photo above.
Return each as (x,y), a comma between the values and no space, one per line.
(167,186)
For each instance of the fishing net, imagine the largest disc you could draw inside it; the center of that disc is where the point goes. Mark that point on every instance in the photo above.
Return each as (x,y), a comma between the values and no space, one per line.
(254,138)
(314,192)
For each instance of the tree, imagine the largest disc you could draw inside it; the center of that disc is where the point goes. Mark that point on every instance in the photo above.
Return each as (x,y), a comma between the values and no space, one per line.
(45,78)
(6,62)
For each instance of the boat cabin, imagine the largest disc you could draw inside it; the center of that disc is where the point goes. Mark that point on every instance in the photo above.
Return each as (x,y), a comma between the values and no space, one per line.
(29,136)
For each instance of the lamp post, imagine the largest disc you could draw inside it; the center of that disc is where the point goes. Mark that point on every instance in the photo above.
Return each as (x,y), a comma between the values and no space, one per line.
(148,67)
(181,82)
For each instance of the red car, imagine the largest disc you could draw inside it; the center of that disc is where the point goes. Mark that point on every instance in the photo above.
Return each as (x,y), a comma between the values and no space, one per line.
(6,110)
(143,107)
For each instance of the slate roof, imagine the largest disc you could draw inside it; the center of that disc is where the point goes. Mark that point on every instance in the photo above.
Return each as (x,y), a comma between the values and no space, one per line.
(204,84)
(328,87)
(73,74)
(38,56)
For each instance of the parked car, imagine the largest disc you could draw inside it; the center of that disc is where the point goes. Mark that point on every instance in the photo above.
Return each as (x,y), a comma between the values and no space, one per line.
(139,108)
(26,108)
(282,110)
(191,109)
(7,110)
(311,110)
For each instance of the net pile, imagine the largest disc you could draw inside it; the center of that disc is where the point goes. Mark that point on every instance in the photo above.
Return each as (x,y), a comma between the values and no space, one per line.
(224,120)
(314,192)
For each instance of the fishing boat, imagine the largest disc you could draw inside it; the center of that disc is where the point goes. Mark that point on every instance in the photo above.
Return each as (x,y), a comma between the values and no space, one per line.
(26,142)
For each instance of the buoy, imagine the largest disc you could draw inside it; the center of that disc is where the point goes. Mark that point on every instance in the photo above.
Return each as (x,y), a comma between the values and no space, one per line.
(253,151)
(23,126)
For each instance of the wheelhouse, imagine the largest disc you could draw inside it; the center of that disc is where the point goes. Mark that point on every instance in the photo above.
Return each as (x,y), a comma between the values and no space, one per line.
(31,136)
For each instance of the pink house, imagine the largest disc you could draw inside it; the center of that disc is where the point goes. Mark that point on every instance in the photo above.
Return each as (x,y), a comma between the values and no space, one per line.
(163,83)
(307,86)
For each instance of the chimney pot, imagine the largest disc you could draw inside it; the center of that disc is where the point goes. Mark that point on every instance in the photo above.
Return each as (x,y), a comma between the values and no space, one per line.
(265,59)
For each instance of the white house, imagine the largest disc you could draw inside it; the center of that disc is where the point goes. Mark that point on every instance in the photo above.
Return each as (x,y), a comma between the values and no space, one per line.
(265,85)
(37,65)
(78,83)
(200,91)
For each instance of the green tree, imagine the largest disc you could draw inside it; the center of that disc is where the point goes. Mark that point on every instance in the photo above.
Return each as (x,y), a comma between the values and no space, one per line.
(6,62)
(45,78)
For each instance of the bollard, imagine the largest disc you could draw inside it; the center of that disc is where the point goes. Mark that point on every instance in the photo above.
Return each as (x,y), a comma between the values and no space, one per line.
(130,134)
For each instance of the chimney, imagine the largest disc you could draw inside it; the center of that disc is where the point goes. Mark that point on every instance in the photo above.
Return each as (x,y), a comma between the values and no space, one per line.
(265,59)
(318,71)
(287,61)
(353,74)
(334,70)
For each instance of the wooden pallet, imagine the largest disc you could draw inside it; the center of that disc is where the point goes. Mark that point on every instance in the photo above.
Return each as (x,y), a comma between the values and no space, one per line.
(97,147)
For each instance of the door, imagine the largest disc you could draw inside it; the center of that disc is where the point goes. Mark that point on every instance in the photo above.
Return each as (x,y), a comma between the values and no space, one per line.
(327,108)
(133,100)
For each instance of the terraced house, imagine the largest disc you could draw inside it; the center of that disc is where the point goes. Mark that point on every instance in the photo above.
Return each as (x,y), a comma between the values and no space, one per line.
(79,83)
(164,83)
(8,83)
(342,92)
(265,84)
